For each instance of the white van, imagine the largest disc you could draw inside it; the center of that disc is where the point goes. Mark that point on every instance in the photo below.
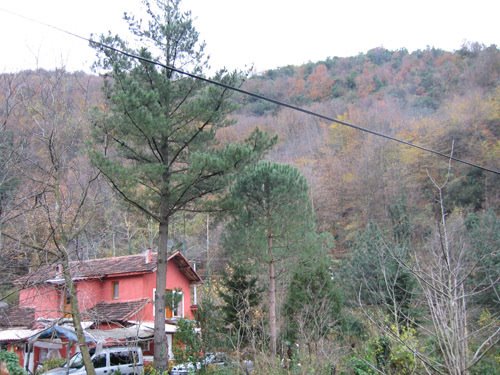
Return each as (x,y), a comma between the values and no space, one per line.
(121,359)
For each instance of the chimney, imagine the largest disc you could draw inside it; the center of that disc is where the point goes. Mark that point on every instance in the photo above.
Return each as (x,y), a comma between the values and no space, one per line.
(59,271)
(148,256)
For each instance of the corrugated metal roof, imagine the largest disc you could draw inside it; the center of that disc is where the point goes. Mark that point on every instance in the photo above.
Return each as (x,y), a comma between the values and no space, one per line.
(132,333)
(169,328)
(9,335)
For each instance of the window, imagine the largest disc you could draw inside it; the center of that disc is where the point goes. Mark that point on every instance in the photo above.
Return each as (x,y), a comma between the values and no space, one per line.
(66,302)
(116,285)
(99,361)
(174,303)
(67,296)
(76,361)
(122,358)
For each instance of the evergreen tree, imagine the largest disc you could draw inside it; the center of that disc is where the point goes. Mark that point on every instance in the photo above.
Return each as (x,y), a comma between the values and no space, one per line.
(273,223)
(483,235)
(241,296)
(158,130)
(313,303)
(375,274)
(188,342)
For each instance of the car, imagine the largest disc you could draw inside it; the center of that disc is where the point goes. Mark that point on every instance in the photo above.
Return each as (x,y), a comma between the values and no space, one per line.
(210,359)
(185,368)
(216,359)
(122,359)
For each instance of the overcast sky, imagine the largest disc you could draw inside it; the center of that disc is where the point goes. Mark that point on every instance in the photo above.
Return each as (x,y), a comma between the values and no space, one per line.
(262,33)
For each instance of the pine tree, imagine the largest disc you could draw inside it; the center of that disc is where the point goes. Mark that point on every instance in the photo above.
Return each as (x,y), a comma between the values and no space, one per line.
(273,223)
(158,132)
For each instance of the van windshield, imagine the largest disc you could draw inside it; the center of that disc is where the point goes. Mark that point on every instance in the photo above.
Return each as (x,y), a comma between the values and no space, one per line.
(76,361)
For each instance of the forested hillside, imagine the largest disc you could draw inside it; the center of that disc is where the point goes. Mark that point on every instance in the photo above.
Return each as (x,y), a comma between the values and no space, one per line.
(432,98)
(377,208)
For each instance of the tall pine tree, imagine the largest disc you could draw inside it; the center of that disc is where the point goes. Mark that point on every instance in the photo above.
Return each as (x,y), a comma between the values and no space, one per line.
(158,131)
(273,223)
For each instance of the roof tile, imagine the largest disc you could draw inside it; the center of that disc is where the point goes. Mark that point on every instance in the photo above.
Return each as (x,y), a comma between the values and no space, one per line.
(15,316)
(115,311)
(105,267)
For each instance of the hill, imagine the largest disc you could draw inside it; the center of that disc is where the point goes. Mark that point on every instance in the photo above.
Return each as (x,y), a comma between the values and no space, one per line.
(431,97)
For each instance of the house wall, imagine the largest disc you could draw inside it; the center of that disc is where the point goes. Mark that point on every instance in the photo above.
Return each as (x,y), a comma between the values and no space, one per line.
(89,292)
(175,279)
(129,288)
(148,287)
(45,299)
(48,300)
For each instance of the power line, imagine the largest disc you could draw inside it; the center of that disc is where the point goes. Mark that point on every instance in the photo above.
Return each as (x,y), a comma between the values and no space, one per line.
(258,96)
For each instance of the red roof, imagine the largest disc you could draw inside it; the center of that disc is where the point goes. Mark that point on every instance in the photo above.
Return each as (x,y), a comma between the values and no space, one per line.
(115,311)
(15,316)
(107,267)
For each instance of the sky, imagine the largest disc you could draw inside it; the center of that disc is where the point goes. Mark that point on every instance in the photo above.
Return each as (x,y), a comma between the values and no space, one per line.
(263,34)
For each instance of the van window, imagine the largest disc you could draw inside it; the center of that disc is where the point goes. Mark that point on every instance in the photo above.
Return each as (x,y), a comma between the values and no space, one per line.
(99,361)
(119,358)
(123,358)
(76,361)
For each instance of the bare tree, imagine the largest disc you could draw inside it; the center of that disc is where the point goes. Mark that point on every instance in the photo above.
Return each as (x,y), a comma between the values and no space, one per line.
(443,271)
(67,194)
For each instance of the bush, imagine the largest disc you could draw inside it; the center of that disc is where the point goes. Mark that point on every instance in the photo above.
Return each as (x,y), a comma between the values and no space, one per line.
(187,343)
(360,366)
(12,362)
(218,370)
(488,365)
(150,370)
(51,363)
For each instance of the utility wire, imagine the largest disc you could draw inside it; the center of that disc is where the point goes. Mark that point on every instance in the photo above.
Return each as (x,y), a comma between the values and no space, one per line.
(258,96)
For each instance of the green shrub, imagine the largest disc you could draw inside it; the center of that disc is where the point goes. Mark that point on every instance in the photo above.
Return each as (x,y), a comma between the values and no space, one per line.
(12,362)
(150,370)
(51,363)
(360,366)
(488,365)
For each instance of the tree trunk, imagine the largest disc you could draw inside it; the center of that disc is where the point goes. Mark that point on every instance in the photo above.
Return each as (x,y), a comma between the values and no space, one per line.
(272,296)
(160,337)
(77,321)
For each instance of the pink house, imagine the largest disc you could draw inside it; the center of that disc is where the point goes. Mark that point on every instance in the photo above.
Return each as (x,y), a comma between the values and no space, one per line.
(113,294)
